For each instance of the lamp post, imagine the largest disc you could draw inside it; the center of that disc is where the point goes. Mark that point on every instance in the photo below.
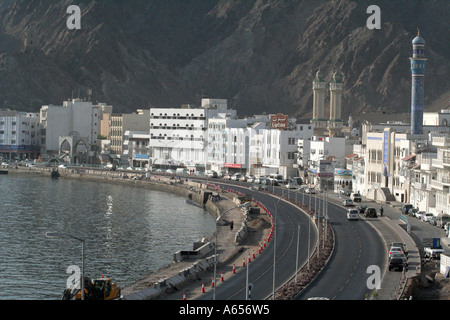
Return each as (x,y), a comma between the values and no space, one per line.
(244,205)
(61,235)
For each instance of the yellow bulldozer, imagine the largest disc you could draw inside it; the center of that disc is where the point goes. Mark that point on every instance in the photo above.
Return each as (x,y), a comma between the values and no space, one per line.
(97,289)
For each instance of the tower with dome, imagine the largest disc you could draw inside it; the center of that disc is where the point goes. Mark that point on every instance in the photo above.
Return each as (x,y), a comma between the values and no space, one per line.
(418,64)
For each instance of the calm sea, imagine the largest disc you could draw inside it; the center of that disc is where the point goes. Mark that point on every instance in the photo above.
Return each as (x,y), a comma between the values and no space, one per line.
(129,232)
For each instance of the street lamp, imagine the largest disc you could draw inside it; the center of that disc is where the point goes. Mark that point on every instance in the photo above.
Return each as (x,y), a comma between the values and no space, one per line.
(61,235)
(244,205)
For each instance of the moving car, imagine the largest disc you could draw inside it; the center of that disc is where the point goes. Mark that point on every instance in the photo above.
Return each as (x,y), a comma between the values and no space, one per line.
(400,245)
(394,250)
(348,203)
(352,214)
(397,263)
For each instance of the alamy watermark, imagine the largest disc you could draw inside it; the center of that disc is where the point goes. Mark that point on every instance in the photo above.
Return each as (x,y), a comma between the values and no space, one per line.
(74,20)
(374,21)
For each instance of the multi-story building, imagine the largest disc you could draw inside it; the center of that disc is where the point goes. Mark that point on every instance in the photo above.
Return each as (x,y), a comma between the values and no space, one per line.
(19,135)
(179,135)
(122,122)
(136,148)
(75,118)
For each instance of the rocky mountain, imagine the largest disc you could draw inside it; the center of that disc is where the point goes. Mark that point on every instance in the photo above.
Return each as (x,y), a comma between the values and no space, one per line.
(262,55)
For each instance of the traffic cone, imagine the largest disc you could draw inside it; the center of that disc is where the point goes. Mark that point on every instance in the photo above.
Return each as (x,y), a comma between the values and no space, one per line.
(253,254)
(249,259)
(203,287)
(243,262)
(221,277)
(184,296)
(234,268)
(212,283)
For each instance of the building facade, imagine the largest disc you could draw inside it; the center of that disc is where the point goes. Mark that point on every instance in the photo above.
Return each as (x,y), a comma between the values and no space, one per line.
(19,135)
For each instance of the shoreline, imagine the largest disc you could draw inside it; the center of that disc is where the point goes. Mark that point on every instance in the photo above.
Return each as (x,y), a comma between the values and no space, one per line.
(197,193)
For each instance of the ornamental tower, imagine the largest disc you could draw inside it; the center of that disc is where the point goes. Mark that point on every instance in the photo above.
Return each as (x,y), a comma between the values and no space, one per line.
(319,90)
(418,64)
(335,123)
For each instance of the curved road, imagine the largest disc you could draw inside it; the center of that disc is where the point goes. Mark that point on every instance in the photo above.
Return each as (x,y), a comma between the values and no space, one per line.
(357,246)
(260,272)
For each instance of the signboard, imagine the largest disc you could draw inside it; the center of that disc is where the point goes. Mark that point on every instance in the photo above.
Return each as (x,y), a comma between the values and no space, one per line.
(233,165)
(326,169)
(279,121)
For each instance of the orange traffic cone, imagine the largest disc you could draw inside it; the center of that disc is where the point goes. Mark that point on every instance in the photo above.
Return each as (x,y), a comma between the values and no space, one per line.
(203,287)
(212,283)
(243,262)
(253,254)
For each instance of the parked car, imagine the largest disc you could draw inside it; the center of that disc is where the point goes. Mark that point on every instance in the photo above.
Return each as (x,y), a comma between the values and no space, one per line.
(406,207)
(432,221)
(292,184)
(310,191)
(442,220)
(370,213)
(352,214)
(348,203)
(419,214)
(236,177)
(412,212)
(356,197)
(397,264)
(427,216)
(362,209)
(250,178)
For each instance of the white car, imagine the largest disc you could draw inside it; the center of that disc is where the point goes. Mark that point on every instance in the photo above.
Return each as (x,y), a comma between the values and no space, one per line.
(61,166)
(394,250)
(352,214)
(427,216)
(236,177)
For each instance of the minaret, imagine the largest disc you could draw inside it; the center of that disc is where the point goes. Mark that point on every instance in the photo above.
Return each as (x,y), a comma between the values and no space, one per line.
(319,90)
(418,64)
(335,123)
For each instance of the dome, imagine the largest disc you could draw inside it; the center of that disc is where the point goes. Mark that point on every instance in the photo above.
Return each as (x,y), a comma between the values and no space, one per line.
(418,40)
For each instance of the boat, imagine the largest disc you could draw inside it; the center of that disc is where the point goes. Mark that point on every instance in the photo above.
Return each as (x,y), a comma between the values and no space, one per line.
(3,172)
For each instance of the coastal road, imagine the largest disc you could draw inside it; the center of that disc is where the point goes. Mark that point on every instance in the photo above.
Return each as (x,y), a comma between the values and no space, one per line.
(260,273)
(357,246)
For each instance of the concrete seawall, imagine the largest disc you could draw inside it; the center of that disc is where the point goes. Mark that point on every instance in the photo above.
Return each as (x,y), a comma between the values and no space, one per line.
(195,192)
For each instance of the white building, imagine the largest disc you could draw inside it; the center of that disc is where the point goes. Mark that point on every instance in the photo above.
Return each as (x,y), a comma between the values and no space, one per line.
(74,117)
(179,135)
(19,135)
(135,147)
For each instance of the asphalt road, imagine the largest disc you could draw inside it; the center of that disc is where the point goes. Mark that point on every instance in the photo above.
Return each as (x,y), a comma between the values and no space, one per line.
(260,273)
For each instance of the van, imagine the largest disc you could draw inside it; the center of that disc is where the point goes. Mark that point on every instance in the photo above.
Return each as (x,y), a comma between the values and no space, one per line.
(356,197)
(352,214)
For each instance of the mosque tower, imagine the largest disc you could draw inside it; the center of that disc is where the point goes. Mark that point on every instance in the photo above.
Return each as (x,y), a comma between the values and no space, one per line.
(319,90)
(335,123)
(418,64)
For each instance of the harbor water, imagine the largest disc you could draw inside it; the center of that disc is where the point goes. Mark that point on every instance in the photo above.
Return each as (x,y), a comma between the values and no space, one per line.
(128,231)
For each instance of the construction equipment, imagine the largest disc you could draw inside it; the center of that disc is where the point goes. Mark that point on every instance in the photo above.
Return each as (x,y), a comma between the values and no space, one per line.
(98,289)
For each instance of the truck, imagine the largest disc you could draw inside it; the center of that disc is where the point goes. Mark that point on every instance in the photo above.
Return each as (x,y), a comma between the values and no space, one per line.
(432,248)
